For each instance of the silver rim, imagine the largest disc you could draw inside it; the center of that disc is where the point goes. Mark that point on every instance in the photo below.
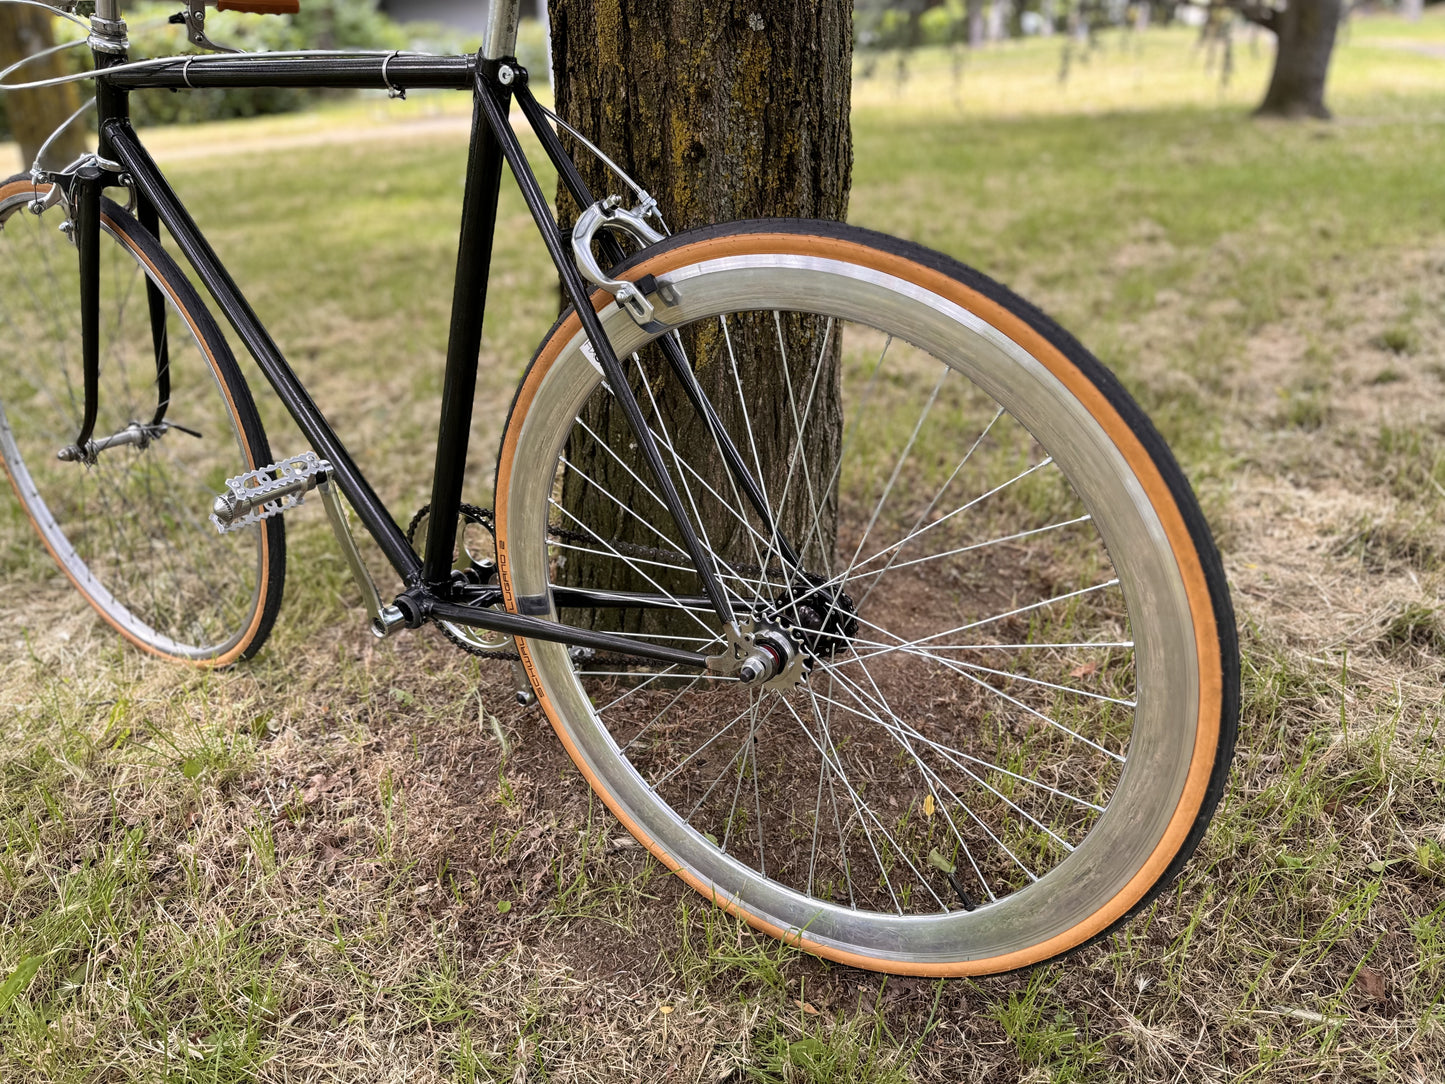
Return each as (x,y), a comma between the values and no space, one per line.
(131,531)
(841,808)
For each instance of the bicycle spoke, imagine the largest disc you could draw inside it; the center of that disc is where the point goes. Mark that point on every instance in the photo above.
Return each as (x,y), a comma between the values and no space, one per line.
(129,526)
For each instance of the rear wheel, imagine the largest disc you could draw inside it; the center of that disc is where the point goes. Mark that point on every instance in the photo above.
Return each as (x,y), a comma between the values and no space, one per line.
(1023,688)
(129,524)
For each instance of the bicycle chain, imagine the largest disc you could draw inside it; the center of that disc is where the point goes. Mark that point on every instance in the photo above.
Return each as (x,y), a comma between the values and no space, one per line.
(472,514)
(483,516)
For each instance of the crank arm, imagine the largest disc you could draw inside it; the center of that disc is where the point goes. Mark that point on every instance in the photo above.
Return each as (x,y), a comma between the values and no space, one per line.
(384,619)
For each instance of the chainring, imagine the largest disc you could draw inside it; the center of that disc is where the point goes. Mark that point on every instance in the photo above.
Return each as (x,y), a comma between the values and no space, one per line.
(479,642)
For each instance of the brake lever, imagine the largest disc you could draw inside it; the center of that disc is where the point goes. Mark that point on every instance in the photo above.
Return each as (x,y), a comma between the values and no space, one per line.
(193,18)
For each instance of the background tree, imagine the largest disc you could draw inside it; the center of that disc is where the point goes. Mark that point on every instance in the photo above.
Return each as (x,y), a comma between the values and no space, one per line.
(1305,32)
(33,114)
(1304,29)
(724,110)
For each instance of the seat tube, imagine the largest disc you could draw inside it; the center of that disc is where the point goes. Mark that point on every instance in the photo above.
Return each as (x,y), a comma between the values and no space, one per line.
(459,385)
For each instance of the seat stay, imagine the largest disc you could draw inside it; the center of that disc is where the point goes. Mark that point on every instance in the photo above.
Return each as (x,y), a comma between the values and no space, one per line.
(494,90)
(671,349)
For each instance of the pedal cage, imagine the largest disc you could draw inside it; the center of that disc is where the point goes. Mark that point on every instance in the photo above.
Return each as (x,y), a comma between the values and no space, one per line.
(267,491)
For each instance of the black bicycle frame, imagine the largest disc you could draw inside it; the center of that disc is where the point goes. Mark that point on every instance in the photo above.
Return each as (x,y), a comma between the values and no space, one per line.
(427,577)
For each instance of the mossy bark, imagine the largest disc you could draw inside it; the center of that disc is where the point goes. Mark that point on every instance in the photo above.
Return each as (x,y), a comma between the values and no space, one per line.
(34,114)
(722,111)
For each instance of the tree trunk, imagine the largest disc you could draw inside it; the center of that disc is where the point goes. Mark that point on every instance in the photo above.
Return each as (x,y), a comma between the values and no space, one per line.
(724,110)
(1412,9)
(974,9)
(1305,30)
(997,21)
(34,114)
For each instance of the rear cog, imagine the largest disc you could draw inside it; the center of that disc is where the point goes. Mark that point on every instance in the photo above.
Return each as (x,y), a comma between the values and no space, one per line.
(822,619)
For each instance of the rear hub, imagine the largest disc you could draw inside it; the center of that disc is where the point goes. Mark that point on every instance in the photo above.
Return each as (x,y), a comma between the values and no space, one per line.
(821,619)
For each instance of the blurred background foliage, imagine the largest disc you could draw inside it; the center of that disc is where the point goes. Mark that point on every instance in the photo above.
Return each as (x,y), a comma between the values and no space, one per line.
(321,24)
(891,29)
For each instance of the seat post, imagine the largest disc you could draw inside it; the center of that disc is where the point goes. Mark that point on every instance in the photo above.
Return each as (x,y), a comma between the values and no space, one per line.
(500,37)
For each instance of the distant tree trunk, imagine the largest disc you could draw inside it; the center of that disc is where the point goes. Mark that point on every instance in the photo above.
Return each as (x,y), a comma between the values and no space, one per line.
(1412,9)
(997,21)
(34,114)
(722,110)
(975,23)
(1305,30)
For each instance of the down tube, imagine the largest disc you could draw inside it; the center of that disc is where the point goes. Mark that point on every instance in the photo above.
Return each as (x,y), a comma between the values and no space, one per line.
(268,356)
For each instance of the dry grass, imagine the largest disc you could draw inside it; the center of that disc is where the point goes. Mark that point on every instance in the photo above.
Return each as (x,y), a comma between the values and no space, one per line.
(352,860)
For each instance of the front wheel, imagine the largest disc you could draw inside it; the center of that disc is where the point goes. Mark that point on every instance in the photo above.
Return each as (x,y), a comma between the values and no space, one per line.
(128,521)
(1012,682)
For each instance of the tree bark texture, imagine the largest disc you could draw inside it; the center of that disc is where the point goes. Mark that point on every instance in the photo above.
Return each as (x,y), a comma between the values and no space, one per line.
(34,114)
(1305,30)
(724,110)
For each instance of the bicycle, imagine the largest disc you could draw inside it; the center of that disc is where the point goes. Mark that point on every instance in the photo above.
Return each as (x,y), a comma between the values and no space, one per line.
(952,696)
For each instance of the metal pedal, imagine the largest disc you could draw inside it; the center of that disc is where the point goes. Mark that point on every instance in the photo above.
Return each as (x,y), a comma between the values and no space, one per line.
(267,491)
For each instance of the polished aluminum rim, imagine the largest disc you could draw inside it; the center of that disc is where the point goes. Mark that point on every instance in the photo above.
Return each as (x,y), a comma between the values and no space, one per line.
(1160,748)
(225,559)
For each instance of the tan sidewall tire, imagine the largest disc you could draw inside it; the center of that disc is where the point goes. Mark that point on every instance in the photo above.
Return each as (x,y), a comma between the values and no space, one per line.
(203,329)
(1204,776)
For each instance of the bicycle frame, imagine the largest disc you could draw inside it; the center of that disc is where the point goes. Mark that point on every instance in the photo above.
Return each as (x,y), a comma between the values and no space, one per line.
(495,79)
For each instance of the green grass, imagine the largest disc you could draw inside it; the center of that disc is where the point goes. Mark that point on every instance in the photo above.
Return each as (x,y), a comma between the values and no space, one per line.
(338,863)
